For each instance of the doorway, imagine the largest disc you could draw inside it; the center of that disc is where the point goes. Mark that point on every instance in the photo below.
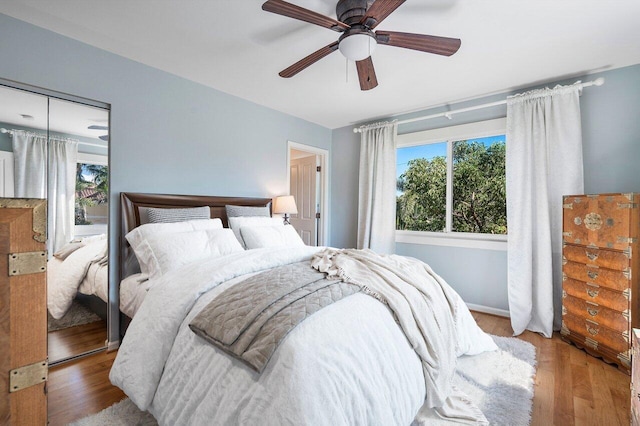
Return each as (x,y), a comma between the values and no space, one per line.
(308,182)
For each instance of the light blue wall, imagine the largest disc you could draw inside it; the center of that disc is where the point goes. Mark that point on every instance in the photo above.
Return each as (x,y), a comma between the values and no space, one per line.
(611,144)
(168,134)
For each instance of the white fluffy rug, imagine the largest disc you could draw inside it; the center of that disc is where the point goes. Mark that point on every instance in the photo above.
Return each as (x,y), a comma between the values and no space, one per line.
(500,383)
(77,314)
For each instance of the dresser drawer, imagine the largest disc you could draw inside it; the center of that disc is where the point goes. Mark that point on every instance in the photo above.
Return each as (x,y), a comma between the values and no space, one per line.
(614,320)
(598,334)
(596,294)
(592,256)
(616,280)
(602,221)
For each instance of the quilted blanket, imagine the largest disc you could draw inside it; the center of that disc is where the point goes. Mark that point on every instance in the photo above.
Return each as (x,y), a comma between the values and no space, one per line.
(250,319)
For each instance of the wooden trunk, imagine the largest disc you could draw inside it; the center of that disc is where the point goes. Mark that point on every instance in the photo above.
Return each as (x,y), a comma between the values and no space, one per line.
(23,312)
(601,271)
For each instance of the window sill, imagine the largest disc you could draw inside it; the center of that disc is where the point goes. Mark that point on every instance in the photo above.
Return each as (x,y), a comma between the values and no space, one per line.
(464,240)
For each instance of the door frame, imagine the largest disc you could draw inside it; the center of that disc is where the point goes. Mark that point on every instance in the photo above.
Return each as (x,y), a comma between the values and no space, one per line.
(323,154)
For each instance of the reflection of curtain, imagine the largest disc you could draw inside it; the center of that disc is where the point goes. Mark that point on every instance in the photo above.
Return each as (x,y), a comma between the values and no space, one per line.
(63,157)
(544,162)
(377,198)
(48,171)
(30,164)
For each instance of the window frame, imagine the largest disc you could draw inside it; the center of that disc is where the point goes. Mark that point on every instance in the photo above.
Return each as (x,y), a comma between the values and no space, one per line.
(450,135)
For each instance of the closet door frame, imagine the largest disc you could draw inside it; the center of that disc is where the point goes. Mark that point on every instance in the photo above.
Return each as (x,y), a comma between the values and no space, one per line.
(113,311)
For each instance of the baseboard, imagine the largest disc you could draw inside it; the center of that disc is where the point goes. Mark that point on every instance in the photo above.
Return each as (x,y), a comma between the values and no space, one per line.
(112,346)
(489,310)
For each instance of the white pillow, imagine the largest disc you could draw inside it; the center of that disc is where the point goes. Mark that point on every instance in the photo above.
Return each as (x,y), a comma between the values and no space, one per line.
(140,234)
(270,236)
(238,222)
(162,253)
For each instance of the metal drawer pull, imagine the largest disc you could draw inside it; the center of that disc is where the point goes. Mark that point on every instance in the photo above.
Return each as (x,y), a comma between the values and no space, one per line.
(592,293)
(592,312)
(592,331)
(591,256)
(592,274)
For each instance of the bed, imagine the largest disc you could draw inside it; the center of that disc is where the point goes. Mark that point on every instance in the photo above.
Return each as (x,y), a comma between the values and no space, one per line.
(80,267)
(347,363)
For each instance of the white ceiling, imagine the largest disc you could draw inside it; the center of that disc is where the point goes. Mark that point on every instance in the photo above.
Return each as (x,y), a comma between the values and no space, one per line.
(25,109)
(235,47)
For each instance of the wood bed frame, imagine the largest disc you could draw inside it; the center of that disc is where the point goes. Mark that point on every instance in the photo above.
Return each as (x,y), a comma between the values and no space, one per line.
(131,203)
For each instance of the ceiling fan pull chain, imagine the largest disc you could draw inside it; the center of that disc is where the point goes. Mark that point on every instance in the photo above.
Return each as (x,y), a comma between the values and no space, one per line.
(346,61)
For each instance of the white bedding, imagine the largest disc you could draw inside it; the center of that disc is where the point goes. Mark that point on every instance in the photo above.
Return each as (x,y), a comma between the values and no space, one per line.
(84,270)
(349,363)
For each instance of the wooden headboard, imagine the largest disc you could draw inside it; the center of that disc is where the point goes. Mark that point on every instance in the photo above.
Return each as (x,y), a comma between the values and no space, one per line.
(131,204)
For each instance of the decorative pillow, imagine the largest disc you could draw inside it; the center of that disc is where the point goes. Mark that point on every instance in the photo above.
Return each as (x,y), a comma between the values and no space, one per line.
(235,211)
(139,235)
(67,249)
(162,253)
(157,215)
(236,223)
(270,236)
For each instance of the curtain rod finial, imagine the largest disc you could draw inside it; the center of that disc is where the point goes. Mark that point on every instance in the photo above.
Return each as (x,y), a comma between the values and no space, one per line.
(598,81)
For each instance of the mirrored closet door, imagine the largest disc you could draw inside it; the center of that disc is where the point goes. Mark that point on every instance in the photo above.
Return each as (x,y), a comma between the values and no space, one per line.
(58,150)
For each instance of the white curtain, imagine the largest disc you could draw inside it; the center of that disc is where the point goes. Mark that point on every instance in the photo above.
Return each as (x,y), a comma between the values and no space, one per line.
(48,170)
(377,195)
(30,164)
(543,162)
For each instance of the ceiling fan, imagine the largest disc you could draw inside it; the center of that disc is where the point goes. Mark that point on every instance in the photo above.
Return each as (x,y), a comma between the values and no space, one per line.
(95,127)
(356,21)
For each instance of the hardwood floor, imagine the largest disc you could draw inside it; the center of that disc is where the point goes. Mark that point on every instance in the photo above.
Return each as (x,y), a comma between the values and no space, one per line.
(80,388)
(571,387)
(76,340)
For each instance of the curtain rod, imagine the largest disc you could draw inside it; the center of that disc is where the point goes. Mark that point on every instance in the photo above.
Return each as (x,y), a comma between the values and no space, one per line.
(449,114)
(3,130)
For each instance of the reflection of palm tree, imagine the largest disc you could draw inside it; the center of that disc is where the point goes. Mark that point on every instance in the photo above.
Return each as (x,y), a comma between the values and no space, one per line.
(100,177)
(90,191)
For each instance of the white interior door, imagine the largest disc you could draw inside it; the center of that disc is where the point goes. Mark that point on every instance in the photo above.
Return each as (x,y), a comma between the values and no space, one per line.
(6,174)
(303,186)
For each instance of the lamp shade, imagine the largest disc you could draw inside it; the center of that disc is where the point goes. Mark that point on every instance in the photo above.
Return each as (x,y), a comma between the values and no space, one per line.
(285,204)
(357,46)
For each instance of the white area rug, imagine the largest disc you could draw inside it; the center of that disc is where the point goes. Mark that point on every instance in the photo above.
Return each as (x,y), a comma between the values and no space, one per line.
(500,383)
(76,315)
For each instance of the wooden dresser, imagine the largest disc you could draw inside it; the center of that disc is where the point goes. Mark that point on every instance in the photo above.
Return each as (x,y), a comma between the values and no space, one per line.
(23,312)
(600,274)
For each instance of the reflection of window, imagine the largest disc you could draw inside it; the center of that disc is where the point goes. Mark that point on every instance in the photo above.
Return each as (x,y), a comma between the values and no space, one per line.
(92,189)
(455,184)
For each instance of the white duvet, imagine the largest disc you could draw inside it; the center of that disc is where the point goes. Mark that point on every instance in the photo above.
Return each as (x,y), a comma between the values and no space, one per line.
(349,363)
(83,270)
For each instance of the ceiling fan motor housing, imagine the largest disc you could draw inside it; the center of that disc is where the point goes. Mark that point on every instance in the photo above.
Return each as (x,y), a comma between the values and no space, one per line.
(351,11)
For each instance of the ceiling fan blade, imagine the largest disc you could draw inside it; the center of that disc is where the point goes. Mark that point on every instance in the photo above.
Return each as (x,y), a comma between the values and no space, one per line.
(95,127)
(378,11)
(426,43)
(309,60)
(366,74)
(281,7)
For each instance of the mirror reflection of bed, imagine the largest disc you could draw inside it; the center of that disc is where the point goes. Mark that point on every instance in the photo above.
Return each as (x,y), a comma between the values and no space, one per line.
(57,149)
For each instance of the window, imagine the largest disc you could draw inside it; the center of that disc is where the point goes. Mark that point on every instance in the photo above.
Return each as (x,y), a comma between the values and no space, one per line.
(452,180)
(92,195)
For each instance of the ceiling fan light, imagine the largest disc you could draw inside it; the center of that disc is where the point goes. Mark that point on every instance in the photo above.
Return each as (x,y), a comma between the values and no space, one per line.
(358,46)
